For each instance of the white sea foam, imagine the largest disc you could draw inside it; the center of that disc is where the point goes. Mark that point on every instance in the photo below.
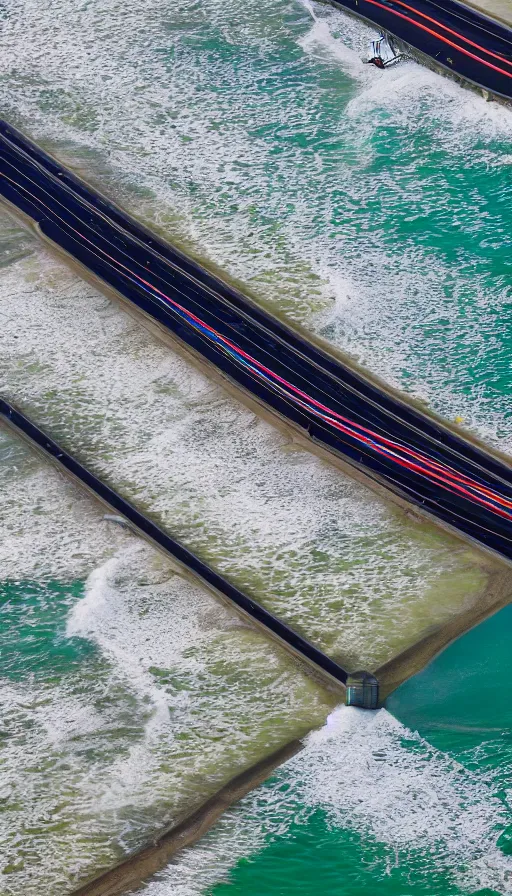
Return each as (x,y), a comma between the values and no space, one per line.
(311,544)
(48,527)
(257,136)
(370,774)
(102,753)
(341,39)
(250,175)
(102,616)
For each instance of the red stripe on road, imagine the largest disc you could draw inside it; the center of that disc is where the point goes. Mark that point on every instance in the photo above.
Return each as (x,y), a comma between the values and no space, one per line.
(440,37)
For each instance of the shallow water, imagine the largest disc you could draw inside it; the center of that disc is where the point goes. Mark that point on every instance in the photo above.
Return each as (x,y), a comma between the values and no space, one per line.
(128,696)
(255,140)
(361,581)
(369,806)
(458,705)
(418,804)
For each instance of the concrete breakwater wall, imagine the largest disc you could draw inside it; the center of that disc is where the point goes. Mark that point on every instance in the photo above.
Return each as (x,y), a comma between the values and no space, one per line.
(369,427)
(185,558)
(450,36)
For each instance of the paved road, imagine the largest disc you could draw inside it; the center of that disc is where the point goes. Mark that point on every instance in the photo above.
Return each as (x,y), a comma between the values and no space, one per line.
(410,453)
(456,37)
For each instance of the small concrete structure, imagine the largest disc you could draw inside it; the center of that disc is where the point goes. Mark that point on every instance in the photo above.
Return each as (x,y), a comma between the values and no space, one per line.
(469,41)
(362,690)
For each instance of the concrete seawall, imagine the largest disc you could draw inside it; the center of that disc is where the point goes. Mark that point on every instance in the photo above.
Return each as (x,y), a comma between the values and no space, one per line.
(133,871)
(331,672)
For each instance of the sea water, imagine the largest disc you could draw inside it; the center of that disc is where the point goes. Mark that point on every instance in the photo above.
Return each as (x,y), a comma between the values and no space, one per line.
(372,207)
(359,579)
(411,804)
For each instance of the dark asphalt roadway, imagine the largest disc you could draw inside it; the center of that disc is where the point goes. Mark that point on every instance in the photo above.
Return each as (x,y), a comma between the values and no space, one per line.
(457,38)
(410,453)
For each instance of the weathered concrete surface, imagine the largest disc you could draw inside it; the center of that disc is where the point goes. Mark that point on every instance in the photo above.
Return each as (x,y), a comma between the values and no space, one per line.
(497,9)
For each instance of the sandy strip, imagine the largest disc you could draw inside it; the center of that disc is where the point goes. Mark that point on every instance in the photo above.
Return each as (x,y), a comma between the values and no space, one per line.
(496,9)
(132,872)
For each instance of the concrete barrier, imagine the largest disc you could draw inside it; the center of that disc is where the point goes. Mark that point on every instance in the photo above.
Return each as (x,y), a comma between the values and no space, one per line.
(185,558)
(134,870)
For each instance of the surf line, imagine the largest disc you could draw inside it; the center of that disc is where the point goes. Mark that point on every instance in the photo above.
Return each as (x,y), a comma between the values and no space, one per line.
(416,456)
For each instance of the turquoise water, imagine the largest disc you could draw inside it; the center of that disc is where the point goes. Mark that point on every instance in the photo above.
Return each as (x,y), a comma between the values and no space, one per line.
(315,858)
(373,206)
(460,702)
(461,706)
(32,631)
(375,209)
